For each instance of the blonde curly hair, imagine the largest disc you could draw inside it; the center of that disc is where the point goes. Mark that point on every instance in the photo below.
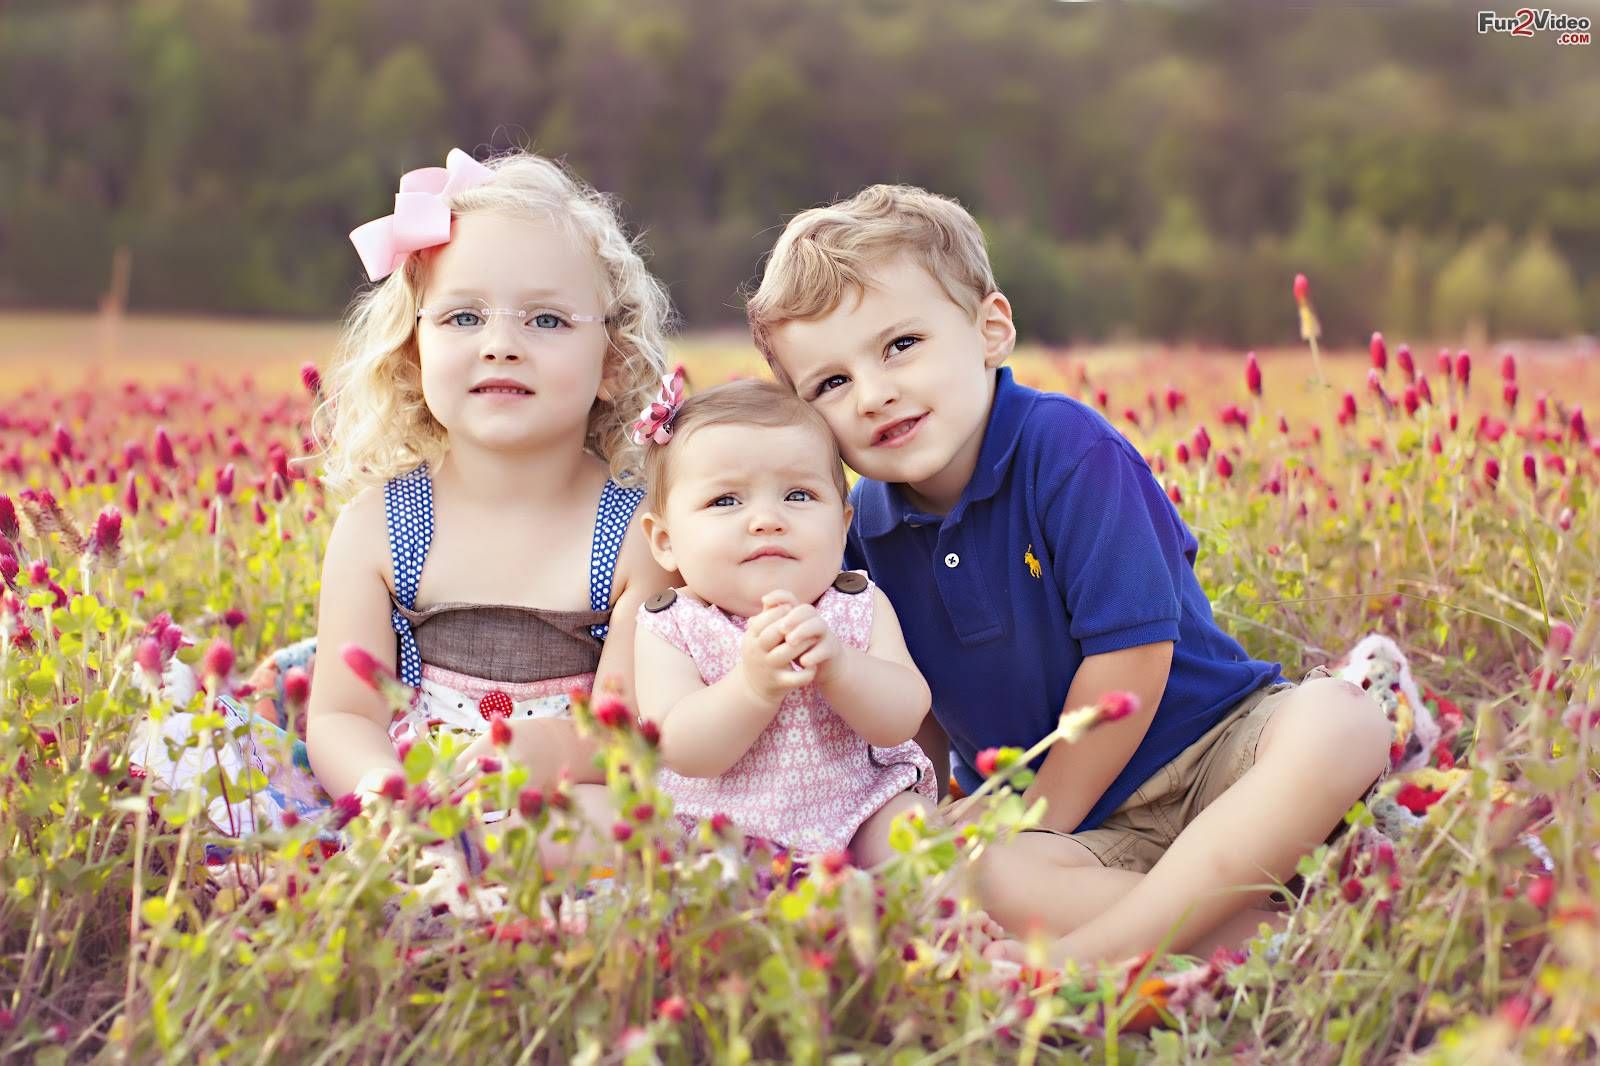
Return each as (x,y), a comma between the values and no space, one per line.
(373,423)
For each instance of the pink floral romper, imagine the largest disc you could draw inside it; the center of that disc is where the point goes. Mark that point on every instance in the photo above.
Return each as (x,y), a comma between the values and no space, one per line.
(809,781)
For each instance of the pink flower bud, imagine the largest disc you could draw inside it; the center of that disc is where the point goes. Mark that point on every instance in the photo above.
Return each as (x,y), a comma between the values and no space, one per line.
(148,655)
(1508,367)
(612,714)
(130,493)
(530,801)
(1510,392)
(1224,466)
(1580,431)
(62,441)
(9,527)
(1411,400)
(1464,368)
(296,686)
(1564,519)
(1491,471)
(1180,452)
(1252,373)
(362,664)
(672,1009)
(233,618)
(1530,469)
(218,659)
(225,481)
(1560,639)
(100,765)
(1425,391)
(107,536)
(621,832)
(1541,890)
(1444,363)
(1379,352)
(986,761)
(1202,443)
(1115,706)
(1408,366)
(1302,288)
(163,449)
(311,378)
(499,732)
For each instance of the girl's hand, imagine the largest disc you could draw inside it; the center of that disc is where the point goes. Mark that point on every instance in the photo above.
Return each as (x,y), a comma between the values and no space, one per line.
(809,630)
(766,655)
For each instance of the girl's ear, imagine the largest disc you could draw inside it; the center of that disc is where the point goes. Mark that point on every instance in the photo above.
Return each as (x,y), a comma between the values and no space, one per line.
(656,536)
(999,332)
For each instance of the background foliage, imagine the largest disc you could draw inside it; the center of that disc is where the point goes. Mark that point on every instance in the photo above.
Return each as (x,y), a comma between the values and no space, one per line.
(1152,170)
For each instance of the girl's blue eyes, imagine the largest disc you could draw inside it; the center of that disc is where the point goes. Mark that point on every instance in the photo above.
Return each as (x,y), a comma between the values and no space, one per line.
(804,495)
(899,344)
(467,319)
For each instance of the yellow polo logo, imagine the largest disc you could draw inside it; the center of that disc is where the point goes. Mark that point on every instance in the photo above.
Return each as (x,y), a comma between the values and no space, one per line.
(1033,562)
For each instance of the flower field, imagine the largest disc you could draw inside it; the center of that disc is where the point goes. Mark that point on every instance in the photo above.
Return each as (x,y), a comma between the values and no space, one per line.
(1445,499)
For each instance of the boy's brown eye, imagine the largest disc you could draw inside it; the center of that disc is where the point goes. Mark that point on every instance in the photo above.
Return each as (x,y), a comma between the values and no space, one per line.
(828,383)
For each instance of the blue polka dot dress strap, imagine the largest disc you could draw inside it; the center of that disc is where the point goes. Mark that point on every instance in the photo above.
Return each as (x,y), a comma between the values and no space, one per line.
(408,509)
(617,505)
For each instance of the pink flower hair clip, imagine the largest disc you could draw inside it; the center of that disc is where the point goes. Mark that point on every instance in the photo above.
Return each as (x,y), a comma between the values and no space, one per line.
(421,216)
(655,421)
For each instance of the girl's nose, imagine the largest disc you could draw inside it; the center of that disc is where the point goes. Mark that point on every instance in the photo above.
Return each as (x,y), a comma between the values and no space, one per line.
(502,340)
(765,520)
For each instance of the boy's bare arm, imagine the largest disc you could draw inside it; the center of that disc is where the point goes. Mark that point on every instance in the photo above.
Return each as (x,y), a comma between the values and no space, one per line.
(1073,777)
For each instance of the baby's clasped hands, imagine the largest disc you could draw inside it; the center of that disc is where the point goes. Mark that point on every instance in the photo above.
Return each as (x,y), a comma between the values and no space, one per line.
(787,646)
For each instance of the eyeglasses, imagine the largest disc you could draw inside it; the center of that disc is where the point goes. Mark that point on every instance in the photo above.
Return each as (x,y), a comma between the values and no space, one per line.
(469,317)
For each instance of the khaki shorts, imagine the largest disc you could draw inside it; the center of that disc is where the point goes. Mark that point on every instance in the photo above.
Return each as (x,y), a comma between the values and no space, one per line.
(1138,833)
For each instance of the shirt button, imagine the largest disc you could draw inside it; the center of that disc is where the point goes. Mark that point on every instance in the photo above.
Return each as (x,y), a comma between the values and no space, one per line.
(952,560)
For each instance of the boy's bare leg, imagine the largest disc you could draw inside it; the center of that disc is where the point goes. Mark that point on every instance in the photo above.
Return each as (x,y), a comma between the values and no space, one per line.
(1319,753)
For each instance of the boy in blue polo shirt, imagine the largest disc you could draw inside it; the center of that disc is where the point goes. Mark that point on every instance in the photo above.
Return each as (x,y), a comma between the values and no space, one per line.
(1037,565)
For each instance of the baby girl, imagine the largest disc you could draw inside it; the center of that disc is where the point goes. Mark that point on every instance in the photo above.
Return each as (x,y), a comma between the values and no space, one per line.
(783,689)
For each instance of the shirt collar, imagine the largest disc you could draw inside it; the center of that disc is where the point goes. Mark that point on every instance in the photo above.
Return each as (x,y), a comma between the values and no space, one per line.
(881,507)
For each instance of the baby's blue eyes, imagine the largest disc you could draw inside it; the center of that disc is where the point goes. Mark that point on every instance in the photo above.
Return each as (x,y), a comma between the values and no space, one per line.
(804,494)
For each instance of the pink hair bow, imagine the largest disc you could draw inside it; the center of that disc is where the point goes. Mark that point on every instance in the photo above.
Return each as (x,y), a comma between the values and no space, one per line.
(421,216)
(655,421)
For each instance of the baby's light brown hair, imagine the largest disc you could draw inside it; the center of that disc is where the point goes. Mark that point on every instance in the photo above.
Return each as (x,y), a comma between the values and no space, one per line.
(825,254)
(746,402)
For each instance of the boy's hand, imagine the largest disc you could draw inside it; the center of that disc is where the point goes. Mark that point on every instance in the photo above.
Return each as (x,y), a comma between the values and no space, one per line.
(767,656)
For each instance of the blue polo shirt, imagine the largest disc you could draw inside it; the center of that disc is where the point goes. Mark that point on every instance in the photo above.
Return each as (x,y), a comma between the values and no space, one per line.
(1062,546)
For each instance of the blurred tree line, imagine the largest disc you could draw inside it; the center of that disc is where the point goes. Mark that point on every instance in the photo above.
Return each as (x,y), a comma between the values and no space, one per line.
(1150,170)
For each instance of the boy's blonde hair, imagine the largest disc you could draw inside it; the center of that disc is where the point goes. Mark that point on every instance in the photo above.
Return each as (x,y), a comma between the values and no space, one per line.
(373,423)
(824,256)
(746,402)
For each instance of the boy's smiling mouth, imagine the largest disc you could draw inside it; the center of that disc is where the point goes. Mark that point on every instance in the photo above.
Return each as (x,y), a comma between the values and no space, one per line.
(897,432)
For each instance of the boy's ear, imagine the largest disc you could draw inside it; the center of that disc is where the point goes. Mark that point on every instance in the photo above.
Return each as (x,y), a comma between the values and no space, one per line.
(655,535)
(999,332)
